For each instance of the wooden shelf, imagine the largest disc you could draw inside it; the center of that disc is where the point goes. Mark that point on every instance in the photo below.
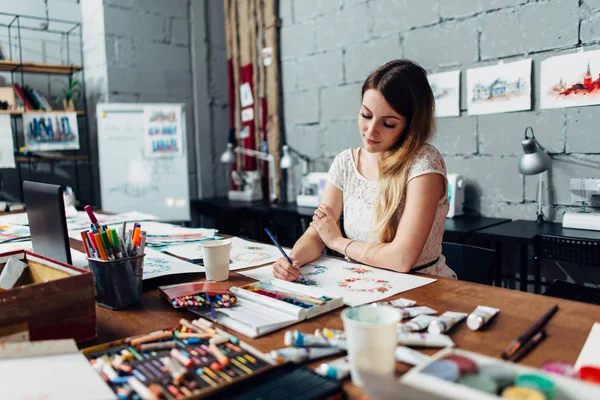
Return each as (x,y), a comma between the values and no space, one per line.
(58,157)
(41,68)
(20,112)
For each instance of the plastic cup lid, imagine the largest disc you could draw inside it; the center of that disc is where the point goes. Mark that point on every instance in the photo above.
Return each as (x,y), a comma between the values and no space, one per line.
(479,382)
(521,393)
(443,369)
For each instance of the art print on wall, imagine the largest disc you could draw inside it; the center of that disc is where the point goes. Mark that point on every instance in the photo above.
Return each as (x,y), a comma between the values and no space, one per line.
(446,92)
(572,80)
(50,131)
(163,132)
(499,88)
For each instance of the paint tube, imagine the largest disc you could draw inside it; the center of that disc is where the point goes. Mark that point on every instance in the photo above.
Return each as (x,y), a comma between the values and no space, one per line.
(415,311)
(480,316)
(410,356)
(424,340)
(330,333)
(337,369)
(419,323)
(444,322)
(11,273)
(298,355)
(401,303)
(299,339)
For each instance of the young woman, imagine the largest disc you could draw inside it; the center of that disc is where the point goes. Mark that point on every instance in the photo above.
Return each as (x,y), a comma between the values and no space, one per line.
(392,191)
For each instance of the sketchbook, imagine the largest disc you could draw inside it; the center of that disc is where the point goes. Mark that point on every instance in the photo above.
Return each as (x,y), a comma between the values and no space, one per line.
(264,307)
(357,284)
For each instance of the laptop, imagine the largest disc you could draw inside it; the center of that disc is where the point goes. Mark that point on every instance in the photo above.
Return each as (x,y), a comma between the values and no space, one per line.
(47,222)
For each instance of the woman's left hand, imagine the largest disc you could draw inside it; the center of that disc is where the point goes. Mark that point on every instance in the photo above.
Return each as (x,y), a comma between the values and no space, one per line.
(326,226)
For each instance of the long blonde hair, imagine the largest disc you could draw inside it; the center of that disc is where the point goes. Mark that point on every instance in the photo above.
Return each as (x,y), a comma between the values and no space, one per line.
(405,87)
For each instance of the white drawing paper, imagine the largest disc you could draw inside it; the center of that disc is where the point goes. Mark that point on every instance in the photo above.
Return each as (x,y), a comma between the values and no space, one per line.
(50,131)
(244,254)
(572,80)
(246,98)
(358,284)
(49,370)
(590,353)
(163,131)
(7,146)
(158,264)
(446,92)
(499,88)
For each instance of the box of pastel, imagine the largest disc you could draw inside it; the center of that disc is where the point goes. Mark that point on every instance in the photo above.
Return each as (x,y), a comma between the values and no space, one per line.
(42,299)
(191,360)
(459,374)
(198,295)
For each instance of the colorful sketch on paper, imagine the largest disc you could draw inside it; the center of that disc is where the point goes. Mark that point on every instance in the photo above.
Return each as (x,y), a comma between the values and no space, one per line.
(446,92)
(251,255)
(365,285)
(12,233)
(572,80)
(359,270)
(163,132)
(54,131)
(499,88)
(154,266)
(336,278)
(316,270)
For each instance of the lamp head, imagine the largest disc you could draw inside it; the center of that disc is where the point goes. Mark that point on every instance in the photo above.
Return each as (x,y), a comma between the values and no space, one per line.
(228,157)
(286,159)
(535,160)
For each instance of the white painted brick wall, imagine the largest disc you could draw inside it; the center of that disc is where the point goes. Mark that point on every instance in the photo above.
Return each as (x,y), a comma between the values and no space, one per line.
(444,35)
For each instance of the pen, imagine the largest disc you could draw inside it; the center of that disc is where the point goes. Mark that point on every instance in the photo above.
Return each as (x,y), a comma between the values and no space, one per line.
(529,334)
(527,347)
(301,277)
(92,217)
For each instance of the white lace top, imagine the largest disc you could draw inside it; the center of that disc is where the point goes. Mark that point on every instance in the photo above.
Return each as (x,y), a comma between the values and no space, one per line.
(359,195)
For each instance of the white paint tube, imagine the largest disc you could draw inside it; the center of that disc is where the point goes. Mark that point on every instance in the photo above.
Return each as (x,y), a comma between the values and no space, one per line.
(401,303)
(444,322)
(411,312)
(419,323)
(424,340)
(330,333)
(299,339)
(480,316)
(298,355)
(410,356)
(337,369)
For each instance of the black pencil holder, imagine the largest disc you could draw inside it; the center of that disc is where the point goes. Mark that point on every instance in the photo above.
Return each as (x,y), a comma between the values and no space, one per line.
(118,282)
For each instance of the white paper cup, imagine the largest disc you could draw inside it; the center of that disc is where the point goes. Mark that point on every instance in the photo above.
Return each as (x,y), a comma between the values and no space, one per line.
(215,255)
(371,339)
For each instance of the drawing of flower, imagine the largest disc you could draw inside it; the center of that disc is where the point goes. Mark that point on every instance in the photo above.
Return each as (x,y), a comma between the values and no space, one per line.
(359,270)
(372,285)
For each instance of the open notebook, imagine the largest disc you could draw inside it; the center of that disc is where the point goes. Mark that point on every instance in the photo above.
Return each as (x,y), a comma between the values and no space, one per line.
(267,306)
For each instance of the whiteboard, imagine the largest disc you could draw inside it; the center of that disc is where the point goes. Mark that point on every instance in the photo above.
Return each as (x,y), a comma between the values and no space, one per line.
(129,179)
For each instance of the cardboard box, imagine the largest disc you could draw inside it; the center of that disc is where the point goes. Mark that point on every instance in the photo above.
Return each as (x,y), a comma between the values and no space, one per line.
(51,300)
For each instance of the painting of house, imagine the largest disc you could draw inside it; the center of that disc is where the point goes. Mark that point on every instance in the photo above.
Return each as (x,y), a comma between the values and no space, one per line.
(499,88)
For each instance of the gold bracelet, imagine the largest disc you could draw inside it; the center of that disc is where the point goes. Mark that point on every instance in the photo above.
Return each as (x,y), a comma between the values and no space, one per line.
(348,259)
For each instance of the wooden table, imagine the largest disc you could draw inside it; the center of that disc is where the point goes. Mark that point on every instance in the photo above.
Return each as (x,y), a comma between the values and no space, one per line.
(567,331)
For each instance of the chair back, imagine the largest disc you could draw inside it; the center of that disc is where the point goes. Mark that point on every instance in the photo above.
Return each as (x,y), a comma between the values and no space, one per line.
(470,263)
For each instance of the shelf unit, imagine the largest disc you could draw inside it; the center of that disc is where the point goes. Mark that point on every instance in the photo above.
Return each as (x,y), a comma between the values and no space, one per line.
(19,69)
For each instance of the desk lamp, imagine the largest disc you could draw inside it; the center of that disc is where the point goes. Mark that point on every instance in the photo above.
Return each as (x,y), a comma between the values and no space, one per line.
(250,180)
(533,162)
(287,160)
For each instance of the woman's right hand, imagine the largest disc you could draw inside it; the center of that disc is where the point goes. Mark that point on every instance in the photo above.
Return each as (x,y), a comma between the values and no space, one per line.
(282,269)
